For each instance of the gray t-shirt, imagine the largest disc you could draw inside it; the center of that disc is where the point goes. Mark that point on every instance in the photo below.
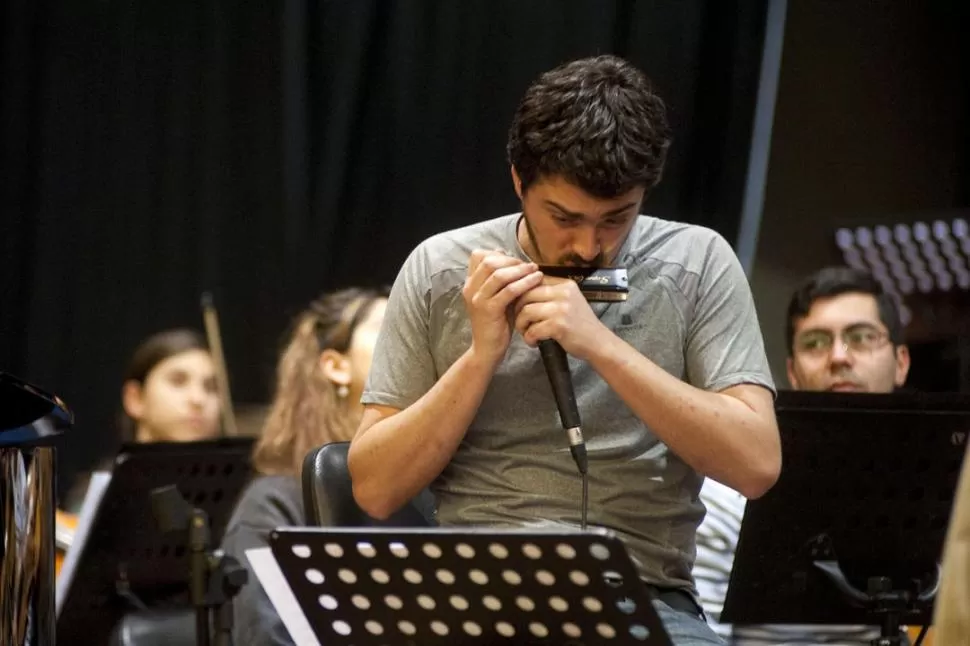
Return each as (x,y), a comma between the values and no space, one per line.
(689,311)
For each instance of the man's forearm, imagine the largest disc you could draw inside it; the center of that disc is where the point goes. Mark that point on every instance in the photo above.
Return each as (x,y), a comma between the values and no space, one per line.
(717,434)
(391,461)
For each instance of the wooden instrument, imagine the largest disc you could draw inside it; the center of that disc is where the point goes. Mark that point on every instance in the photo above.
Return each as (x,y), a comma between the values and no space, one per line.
(913,632)
(65,525)
(211,319)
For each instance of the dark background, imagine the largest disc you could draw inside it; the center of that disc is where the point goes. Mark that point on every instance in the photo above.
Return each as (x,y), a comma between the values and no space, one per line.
(270,151)
(872,126)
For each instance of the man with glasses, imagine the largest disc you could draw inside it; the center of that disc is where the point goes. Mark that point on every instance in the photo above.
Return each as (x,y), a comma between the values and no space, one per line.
(844,334)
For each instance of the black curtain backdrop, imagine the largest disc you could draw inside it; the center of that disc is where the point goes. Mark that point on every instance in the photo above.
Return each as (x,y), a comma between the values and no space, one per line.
(269,151)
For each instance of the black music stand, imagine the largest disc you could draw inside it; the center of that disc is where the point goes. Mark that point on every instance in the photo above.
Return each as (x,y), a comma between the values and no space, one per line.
(466,587)
(853,531)
(127,561)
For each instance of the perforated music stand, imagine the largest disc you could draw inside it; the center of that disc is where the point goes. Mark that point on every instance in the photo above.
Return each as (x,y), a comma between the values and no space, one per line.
(866,487)
(127,554)
(466,587)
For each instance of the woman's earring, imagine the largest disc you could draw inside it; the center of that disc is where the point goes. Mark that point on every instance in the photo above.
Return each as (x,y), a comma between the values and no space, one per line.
(343,391)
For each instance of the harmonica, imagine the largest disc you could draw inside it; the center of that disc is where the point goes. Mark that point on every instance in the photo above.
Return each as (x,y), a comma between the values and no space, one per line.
(598,284)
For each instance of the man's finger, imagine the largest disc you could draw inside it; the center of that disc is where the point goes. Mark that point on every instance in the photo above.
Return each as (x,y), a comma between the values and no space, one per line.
(540,294)
(516,288)
(482,263)
(501,277)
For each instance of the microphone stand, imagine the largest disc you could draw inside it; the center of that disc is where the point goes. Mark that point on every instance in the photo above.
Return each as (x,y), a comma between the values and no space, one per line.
(214,576)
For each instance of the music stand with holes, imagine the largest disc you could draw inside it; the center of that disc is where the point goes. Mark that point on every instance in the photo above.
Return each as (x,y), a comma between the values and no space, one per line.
(468,587)
(127,560)
(853,531)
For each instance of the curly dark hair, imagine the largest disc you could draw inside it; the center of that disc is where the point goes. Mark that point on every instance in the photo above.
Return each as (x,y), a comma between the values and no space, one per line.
(835,281)
(597,122)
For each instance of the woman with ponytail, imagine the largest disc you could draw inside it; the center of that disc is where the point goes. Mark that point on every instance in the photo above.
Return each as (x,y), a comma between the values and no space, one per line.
(319,380)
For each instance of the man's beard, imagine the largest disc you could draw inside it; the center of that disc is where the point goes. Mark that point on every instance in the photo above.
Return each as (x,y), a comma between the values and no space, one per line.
(570,259)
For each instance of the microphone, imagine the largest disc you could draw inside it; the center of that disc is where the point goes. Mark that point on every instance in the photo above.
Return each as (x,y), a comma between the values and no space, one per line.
(557,368)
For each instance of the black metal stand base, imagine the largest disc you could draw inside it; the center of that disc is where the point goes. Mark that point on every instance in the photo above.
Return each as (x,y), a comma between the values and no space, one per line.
(214,577)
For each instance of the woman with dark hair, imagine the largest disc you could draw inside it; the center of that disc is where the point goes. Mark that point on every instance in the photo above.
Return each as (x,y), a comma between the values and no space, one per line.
(320,377)
(170,392)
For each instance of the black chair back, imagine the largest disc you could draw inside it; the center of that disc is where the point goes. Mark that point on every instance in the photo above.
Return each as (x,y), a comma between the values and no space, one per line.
(328,495)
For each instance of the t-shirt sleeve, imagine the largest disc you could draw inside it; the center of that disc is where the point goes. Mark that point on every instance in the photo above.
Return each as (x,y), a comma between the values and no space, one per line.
(402,368)
(724,343)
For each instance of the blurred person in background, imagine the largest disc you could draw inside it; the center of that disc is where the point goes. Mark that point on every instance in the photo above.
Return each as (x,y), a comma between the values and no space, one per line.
(319,379)
(169,393)
(844,334)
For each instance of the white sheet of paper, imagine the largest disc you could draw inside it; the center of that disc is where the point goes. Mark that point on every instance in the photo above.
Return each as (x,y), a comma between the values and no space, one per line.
(281,595)
(92,500)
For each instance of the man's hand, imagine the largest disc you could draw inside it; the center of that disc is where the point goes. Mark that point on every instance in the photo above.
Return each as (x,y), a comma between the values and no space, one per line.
(558,310)
(495,280)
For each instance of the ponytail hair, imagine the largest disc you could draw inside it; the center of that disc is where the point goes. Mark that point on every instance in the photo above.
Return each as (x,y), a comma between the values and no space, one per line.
(307,411)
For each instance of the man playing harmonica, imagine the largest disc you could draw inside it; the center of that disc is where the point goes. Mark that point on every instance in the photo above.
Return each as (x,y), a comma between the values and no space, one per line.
(673,384)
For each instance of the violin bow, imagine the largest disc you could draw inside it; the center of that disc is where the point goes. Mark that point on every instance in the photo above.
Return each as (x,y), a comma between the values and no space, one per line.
(211,319)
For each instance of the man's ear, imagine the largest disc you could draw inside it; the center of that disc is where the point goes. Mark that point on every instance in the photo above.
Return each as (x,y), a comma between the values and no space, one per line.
(336,367)
(516,182)
(132,399)
(792,377)
(902,365)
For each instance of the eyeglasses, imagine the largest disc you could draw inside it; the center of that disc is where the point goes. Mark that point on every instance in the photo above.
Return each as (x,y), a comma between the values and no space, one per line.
(860,340)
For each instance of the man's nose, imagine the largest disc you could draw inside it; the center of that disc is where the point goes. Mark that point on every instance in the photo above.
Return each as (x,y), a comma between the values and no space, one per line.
(840,353)
(587,244)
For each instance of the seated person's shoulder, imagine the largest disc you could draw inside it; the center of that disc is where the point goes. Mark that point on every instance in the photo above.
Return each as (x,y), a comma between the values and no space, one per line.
(269,501)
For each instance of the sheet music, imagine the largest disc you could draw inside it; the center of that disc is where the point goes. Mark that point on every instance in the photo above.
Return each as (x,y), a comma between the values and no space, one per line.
(92,500)
(270,576)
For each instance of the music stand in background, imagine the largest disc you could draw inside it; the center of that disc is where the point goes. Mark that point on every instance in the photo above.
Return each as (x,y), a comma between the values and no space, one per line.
(466,587)
(127,561)
(853,531)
